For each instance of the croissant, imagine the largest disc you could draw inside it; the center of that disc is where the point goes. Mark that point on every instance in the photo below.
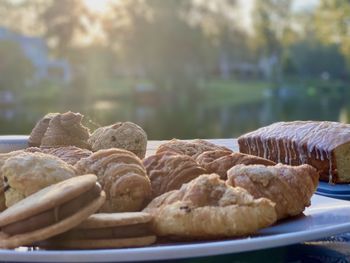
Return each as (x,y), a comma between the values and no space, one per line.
(66,129)
(122,176)
(290,187)
(207,208)
(169,171)
(190,148)
(219,161)
(69,154)
(39,130)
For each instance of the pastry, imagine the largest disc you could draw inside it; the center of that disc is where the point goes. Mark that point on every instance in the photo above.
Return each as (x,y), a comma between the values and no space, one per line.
(124,135)
(50,211)
(290,187)
(324,145)
(122,176)
(207,208)
(69,154)
(27,173)
(66,130)
(3,186)
(39,130)
(168,171)
(113,230)
(219,161)
(190,148)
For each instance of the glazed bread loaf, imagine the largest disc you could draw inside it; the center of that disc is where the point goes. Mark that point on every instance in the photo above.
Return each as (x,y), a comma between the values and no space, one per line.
(322,144)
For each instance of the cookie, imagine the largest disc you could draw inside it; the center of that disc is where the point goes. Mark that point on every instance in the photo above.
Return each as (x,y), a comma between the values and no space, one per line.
(27,173)
(124,135)
(114,230)
(190,148)
(207,208)
(50,211)
(168,171)
(122,176)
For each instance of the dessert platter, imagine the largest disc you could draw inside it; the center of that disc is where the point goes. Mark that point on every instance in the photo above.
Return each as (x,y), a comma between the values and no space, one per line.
(69,194)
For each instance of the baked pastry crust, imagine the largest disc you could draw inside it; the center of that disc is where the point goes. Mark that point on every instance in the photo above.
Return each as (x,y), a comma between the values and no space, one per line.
(220,161)
(39,130)
(290,187)
(27,173)
(66,129)
(69,154)
(207,208)
(324,145)
(168,171)
(124,135)
(122,176)
(190,148)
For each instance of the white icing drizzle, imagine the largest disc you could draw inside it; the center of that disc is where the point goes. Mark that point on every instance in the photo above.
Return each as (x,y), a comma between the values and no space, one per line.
(257,145)
(248,145)
(264,147)
(278,151)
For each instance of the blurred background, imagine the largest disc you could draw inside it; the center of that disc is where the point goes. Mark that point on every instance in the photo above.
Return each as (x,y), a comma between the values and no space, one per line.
(178,68)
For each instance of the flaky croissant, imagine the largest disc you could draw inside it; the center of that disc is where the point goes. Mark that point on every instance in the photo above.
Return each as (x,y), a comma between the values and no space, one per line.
(66,129)
(190,148)
(290,187)
(220,161)
(69,154)
(169,171)
(207,208)
(122,176)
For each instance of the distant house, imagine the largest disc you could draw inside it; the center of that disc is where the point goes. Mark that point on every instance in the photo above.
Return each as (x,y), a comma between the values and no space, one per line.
(36,50)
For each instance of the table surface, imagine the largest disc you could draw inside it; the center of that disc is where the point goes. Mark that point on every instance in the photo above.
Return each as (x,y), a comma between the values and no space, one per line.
(331,249)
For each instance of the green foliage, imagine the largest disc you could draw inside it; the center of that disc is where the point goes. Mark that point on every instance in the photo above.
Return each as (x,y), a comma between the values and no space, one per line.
(15,67)
(332,24)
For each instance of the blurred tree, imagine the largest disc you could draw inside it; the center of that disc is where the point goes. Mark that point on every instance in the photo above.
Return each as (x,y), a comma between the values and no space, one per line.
(156,41)
(272,25)
(12,59)
(332,20)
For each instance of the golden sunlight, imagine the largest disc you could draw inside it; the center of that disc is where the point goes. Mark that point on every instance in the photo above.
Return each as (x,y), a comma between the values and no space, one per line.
(98,6)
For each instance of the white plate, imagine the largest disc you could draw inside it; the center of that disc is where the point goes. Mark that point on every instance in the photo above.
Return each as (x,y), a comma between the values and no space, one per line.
(325,217)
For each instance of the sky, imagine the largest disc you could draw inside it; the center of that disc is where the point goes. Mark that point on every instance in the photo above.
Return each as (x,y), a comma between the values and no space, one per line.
(247,6)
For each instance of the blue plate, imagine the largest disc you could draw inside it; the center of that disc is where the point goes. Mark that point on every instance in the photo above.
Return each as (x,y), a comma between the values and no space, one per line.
(336,196)
(337,189)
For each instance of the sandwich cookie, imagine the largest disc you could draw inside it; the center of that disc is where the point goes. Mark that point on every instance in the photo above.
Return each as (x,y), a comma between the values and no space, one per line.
(50,211)
(114,230)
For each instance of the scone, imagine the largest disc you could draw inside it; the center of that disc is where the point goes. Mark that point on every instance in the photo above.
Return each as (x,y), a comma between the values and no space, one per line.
(290,187)
(220,161)
(190,148)
(3,186)
(39,130)
(112,230)
(66,129)
(124,135)
(122,176)
(207,208)
(50,211)
(169,171)
(27,173)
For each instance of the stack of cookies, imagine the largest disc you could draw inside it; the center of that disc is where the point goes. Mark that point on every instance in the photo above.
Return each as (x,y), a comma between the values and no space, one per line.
(72,189)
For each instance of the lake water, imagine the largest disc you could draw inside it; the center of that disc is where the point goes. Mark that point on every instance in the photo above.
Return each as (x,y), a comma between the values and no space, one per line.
(195,121)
